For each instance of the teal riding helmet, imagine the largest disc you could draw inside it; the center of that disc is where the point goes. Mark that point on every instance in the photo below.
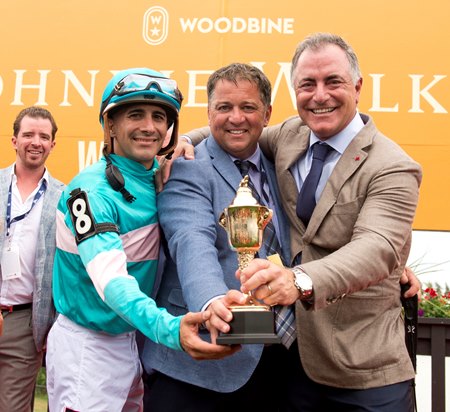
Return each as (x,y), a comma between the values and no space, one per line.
(142,85)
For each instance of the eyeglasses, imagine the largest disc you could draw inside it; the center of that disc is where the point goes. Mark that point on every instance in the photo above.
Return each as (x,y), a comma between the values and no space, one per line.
(140,83)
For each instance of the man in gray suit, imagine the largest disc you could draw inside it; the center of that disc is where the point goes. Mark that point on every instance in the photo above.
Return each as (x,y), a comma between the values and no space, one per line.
(27,246)
(201,271)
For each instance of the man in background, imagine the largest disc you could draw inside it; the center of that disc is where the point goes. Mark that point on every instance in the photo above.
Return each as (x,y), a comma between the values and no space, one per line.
(27,246)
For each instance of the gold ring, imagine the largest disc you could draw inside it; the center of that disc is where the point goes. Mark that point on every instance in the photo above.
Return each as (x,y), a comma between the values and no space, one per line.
(269,288)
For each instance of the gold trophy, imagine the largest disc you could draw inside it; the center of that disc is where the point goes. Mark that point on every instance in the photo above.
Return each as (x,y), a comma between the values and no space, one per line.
(244,220)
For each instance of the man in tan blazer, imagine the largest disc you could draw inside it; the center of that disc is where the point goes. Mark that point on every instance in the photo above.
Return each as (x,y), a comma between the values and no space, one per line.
(349,257)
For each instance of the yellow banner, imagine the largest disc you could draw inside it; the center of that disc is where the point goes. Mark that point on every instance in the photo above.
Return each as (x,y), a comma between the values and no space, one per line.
(60,54)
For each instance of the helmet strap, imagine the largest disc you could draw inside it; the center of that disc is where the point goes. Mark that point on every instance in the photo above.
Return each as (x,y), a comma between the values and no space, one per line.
(116,180)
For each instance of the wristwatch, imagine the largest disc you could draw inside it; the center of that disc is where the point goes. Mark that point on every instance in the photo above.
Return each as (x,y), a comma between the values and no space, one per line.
(303,283)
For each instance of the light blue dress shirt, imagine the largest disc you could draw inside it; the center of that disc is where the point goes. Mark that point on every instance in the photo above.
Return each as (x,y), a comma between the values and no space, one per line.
(338,142)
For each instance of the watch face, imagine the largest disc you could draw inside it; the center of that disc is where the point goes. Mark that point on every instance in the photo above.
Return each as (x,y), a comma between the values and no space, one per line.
(303,283)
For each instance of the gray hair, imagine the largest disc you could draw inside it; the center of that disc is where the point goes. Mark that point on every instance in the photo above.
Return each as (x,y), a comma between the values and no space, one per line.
(317,41)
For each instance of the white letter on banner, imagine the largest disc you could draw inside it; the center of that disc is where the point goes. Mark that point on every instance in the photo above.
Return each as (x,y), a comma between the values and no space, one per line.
(239,25)
(376,96)
(253,25)
(192,87)
(87,97)
(205,25)
(41,87)
(188,24)
(89,158)
(416,93)
(273,25)
(226,25)
(288,26)
(284,72)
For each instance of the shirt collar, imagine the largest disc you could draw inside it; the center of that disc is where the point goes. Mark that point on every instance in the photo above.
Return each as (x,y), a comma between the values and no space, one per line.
(255,158)
(45,176)
(340,141)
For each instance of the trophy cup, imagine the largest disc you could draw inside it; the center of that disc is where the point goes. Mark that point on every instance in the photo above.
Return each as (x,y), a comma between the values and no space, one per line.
(244,220)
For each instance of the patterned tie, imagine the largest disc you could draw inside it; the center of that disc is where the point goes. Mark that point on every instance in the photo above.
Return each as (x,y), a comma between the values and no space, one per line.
(285,324)
(284,315)
(306,201)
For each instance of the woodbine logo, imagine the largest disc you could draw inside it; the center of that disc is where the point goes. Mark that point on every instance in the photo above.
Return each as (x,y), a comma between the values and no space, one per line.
(155,27)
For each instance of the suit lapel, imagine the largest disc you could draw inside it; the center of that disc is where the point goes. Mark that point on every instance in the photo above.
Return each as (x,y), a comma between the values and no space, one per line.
(48,211)
(351,160)
(222,162)
(284,161)
(5,181)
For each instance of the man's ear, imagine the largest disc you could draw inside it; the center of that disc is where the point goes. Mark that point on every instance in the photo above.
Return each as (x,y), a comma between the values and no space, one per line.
(111,127)
(267,115)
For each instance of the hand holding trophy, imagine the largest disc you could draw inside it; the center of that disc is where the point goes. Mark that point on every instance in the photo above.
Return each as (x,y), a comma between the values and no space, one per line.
(245,220)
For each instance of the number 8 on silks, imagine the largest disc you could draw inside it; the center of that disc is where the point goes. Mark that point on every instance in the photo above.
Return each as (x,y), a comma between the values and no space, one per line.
(82,219)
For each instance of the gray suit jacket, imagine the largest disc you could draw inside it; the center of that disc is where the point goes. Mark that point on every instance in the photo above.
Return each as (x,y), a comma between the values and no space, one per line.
(354,249)
(43,309)
(189,208)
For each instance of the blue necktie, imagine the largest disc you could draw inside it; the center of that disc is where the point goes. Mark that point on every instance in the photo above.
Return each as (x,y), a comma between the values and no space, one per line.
(306,201)
(284,315)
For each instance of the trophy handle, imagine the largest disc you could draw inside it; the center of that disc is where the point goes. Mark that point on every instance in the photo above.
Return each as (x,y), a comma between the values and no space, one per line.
(264,217)
(223,219)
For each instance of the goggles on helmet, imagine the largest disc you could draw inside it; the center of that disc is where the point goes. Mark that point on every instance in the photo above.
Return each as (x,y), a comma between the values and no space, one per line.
(135,83)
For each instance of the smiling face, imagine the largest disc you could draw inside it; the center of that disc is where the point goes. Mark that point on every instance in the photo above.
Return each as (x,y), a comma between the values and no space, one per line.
(326,95)
(237,116)
(33,142)
(138,131)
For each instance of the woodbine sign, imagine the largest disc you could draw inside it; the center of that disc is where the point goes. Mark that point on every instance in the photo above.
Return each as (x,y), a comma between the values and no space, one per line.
(61,54)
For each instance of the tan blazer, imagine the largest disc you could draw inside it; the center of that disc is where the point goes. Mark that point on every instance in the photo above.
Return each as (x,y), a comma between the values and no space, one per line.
(354,249)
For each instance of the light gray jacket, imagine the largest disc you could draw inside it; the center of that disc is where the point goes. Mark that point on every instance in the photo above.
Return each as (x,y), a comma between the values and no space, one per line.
(43,309)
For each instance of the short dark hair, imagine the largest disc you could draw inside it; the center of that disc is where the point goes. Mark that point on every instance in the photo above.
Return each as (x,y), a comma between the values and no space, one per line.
(34,112)
(240,71)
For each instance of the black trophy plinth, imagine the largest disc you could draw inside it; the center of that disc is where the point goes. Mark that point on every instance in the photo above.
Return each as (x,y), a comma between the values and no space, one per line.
(250,324)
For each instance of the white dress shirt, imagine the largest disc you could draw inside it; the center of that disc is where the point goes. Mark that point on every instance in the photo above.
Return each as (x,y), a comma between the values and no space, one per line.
(23,238)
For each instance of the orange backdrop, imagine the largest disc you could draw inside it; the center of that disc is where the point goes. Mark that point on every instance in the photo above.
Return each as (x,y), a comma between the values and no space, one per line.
(61,54)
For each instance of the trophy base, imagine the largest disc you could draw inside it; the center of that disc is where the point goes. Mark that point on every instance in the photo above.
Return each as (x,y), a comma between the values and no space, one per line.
(250,324)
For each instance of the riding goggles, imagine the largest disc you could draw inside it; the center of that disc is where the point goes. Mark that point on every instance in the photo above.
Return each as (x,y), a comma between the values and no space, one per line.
(135,83)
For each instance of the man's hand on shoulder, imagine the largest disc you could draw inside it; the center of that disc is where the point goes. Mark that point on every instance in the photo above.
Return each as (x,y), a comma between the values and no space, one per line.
(197,347)
(183,148)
